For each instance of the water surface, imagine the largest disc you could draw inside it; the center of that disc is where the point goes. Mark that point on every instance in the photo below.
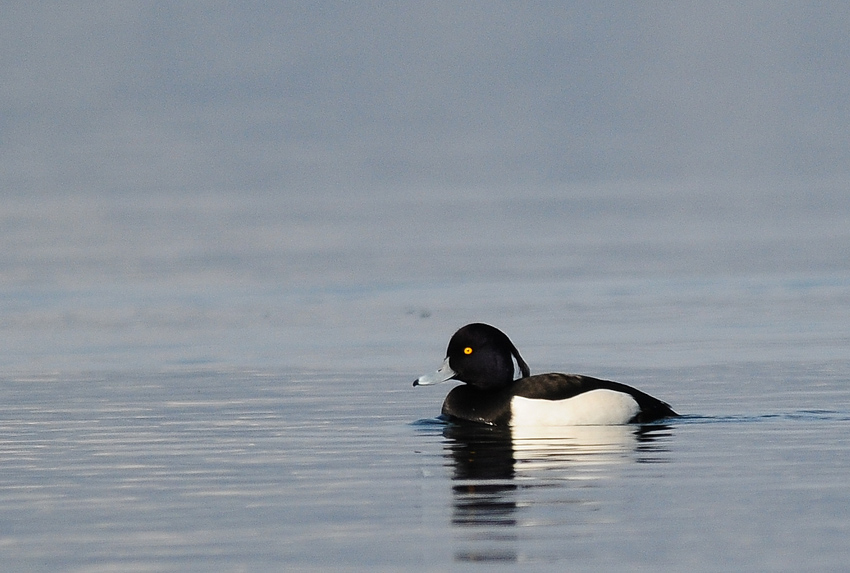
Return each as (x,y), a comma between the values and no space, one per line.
(260,470)
(226,384)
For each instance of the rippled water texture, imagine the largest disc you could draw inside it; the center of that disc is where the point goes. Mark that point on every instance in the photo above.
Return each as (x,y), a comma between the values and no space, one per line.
(229,470)
(226,383)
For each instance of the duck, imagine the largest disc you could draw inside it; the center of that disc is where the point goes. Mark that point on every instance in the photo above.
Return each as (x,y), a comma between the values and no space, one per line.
(482,357)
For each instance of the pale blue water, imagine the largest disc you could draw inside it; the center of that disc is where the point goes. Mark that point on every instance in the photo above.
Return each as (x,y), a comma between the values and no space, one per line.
(224,383)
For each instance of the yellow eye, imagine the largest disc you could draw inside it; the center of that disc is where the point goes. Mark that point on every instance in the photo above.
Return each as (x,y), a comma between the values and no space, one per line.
(467,350)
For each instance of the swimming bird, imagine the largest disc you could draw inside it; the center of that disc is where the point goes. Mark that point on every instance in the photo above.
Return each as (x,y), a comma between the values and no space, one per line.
(482,357)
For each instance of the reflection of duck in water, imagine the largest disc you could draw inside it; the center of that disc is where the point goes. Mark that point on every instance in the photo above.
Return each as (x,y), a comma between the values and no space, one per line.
(483,463)
(493,465)
(483,357)
(584,450)
(494,454)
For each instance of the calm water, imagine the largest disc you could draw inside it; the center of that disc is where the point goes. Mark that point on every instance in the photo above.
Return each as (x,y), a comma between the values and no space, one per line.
(226,385)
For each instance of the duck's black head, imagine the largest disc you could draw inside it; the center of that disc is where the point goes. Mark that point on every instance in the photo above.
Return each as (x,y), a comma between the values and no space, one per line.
(481,355)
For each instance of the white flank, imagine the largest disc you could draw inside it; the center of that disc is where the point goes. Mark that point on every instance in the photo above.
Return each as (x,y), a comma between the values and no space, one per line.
(594,408)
